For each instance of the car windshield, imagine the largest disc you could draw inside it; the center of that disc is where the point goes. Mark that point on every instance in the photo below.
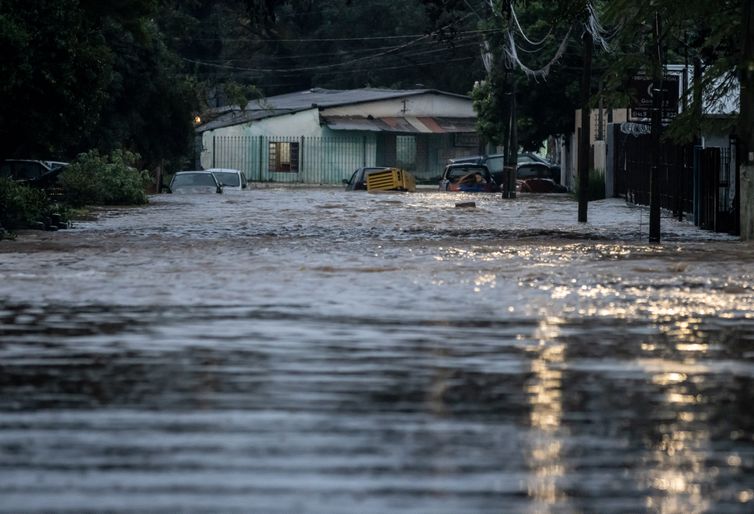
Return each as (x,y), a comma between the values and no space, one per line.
(194,179)
(461,171)
(529,158)
(228,178)
(532,172)
(494,163)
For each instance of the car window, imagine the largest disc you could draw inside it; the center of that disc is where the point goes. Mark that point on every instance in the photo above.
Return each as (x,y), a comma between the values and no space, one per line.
(456,173)
(525,159)
(532,171)
(194,179)
(494,164)
(228,178)
(28,171)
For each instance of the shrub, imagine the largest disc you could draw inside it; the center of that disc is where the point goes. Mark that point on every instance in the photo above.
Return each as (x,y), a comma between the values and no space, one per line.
(94,179)
(596,186)
(21,206)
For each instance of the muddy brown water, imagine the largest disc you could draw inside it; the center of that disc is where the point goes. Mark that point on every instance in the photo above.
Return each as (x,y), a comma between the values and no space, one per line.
(309,350)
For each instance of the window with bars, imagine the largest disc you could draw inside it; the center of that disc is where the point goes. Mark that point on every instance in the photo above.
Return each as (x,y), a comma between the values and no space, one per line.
(284,157)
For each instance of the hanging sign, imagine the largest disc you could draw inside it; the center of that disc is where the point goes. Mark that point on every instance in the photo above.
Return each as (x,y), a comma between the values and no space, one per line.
(642,90)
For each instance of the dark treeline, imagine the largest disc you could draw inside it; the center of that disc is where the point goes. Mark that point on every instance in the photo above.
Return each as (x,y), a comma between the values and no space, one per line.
(132,74)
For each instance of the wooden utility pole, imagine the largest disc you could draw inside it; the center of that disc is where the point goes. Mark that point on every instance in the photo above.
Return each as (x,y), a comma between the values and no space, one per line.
(584,140)
(510,142)
(511,153)
(657,100)
(745,130)
(746,76)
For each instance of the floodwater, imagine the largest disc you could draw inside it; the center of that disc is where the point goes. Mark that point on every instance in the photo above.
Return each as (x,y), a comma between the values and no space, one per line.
(316,351)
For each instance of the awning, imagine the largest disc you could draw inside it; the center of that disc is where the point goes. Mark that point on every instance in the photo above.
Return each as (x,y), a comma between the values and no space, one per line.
(407,124)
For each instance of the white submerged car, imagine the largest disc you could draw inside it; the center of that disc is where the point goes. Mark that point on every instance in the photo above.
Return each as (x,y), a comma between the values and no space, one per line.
(229,178)
(192,182)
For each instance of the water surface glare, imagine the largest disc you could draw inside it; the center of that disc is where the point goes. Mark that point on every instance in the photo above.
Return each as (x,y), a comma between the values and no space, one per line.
(314,351)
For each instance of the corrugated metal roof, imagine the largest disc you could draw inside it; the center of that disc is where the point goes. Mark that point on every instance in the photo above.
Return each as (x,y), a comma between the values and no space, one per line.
(303,100)
(335,97)
(408,124)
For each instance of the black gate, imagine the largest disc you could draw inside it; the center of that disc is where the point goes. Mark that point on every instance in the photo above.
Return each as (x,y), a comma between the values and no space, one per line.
(632,162)
(692,179)
(717,186)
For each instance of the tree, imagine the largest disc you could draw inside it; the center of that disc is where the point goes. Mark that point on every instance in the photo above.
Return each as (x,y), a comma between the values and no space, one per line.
(55,71)
(85,73)
(708,31)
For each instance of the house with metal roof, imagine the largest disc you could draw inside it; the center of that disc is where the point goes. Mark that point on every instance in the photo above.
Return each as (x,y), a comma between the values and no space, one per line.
(321,136)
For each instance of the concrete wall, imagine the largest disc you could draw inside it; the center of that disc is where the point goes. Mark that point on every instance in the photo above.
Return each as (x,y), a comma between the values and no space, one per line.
(304,123)
(618,116)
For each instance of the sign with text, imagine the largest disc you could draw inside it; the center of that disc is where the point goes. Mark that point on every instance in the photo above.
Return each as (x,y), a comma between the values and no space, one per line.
(642,91)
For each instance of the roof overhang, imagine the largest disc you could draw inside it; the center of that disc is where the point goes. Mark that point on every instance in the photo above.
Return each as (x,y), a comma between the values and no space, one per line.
(403,124)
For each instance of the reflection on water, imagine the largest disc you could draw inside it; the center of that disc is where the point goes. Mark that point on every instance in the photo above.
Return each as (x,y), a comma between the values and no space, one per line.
(311,351)
(545,392)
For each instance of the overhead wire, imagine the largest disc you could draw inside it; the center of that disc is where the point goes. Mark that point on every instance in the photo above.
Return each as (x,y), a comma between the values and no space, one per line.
(389,51)
(463,42)
(319,40)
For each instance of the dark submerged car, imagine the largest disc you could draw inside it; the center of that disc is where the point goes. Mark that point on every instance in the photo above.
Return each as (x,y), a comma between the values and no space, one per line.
(188,182)
(32,172)
(468,177)
(529,166)
(358,180)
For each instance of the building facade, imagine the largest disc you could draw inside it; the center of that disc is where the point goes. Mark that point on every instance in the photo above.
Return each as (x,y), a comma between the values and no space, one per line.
(320,136)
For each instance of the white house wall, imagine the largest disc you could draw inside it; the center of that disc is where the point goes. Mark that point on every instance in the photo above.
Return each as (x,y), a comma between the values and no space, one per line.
(304,123)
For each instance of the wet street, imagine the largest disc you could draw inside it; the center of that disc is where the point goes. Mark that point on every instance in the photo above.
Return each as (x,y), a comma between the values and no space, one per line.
(316,351)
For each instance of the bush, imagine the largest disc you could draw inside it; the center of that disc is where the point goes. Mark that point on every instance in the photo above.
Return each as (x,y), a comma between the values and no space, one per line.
(596,186)
(22,206)
(94,179)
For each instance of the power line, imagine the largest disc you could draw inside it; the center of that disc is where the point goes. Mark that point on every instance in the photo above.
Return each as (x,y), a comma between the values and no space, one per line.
(381,68)
(320,40)
(390,51)
(418,52)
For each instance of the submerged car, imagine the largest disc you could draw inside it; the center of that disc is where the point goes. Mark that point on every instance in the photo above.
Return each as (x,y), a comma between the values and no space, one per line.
(32,172)
(539,185)
(468,177)
(528,165)
(190,182)
(358,180)
(230,178)
(529,159)
(494,163)
(538,178)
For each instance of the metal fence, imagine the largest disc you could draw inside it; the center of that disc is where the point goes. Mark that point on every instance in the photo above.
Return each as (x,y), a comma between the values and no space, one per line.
(694,181)
(310,160)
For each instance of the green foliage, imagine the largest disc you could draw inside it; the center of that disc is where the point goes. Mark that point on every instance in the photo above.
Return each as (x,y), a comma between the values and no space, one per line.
(596,186)
(490,109)
(240,94)
(89,74)
(708,31)
(21,206)
(94,179)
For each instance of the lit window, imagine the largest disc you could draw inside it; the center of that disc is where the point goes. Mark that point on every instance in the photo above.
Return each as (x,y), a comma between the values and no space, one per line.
(283,157)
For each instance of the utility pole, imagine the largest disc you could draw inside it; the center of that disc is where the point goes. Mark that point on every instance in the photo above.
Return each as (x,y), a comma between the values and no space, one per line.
(745,122)
(657,98)
(511,154)
(583,175)
(510,143)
